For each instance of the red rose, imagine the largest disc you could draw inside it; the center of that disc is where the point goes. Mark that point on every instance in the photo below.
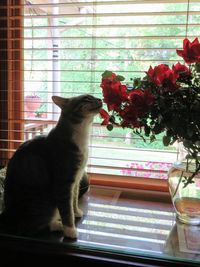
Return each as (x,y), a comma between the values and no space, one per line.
(156,75)
(191,51)
(182,70)
(139,103)
(141,100)
(129,117)
(114,93)
(162,75)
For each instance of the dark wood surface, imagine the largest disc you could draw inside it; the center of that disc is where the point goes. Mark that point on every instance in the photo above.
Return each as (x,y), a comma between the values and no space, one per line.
(97,242)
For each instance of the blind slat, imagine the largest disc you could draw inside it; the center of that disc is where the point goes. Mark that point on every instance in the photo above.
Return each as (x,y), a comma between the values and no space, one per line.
(131,14)
(65,26)
(96,3)
(161,37)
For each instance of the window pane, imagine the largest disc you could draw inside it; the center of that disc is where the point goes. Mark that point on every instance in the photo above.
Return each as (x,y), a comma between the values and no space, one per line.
(67,45)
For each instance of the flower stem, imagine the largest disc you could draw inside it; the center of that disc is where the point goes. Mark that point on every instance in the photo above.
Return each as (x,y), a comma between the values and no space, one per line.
(189,180)
(179,181)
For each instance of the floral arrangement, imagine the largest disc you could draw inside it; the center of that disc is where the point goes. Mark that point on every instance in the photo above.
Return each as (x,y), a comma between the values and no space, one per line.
(165,100)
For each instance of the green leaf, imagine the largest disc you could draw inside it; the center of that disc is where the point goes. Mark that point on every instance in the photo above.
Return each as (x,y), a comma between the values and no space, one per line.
(112,119)
(197,66)
(188,156)
(147,130)
(166,140)
(190,132)
(120,78)
(187,143)
(106,74)
(109,127)
(169,133)
(157,128)
(137,82)
(152,138)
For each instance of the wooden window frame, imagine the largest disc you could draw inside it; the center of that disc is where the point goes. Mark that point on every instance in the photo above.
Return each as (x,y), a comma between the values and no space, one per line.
(11,85)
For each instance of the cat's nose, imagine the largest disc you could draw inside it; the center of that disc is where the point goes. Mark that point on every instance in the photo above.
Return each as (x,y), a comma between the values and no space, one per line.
(99,101)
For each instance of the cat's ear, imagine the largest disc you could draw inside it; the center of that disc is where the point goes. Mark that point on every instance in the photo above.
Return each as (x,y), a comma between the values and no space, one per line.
(60,101)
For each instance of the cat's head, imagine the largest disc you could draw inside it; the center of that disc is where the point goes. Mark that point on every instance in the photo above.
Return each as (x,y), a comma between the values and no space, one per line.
(79,107)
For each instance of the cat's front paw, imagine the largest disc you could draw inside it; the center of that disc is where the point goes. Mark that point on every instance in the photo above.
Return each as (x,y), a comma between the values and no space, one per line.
(78,213)
(70,232)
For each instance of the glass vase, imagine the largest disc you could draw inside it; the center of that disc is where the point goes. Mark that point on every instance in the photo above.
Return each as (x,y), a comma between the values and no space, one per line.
(185,197)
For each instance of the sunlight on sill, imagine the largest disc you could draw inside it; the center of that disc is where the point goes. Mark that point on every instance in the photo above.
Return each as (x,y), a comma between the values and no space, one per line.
(128,217)
(146,211)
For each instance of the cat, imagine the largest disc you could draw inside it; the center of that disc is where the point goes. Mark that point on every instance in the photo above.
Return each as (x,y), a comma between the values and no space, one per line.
(43,176)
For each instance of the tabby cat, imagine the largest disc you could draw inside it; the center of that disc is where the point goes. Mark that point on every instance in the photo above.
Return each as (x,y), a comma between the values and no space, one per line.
(43,176)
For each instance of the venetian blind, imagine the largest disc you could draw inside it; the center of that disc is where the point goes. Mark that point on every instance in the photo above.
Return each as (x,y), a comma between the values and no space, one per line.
(61,47)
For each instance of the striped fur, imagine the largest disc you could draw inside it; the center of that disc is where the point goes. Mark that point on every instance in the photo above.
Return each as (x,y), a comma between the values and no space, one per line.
(43,176)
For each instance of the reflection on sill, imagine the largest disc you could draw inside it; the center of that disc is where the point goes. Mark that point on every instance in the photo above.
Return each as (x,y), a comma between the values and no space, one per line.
(119,248)
(130,225)
(116,235)
(126,227)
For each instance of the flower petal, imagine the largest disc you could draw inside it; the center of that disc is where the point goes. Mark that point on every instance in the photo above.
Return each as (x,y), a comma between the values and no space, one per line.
(104,114)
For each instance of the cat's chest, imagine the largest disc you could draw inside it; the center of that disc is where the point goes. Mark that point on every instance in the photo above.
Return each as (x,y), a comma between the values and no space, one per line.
(81,139)
(83,150)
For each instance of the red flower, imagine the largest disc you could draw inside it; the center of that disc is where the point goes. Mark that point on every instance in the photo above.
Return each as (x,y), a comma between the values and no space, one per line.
(139,103)
(104,114)
(114,92)
(162,75)
(191,51)
(141,100)
(182,70)
(129,117)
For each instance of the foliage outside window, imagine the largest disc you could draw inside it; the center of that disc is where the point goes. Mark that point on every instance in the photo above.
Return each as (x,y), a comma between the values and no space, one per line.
(67,48)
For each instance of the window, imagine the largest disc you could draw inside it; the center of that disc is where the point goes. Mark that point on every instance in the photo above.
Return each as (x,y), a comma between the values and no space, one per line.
(62,47)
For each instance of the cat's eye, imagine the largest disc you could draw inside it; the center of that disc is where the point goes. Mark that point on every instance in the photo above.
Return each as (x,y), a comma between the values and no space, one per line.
(88,98)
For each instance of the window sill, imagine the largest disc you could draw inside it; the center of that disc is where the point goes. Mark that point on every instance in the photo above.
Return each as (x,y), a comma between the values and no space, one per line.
(119,228)
(129,182)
